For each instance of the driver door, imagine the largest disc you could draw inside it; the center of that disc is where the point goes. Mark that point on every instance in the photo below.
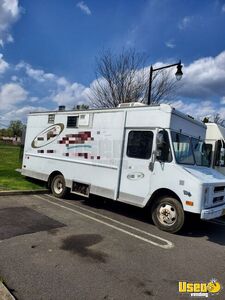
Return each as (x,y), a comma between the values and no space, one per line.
(135,175)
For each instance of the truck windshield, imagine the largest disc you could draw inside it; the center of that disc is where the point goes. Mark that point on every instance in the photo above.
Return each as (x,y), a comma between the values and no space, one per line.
(182,149)
(190,150)
(202,153)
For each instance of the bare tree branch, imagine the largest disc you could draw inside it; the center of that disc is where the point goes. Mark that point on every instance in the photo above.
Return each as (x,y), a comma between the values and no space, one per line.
(218,120)
(123,78)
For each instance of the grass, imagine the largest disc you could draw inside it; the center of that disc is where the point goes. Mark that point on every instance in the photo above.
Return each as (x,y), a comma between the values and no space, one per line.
(10,179)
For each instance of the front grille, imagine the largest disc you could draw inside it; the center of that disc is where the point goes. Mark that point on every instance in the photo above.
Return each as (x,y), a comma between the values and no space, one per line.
(217,199)
(219,189)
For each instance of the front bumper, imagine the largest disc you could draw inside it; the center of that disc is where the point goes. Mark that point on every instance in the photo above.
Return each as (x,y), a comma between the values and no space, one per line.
(212,213)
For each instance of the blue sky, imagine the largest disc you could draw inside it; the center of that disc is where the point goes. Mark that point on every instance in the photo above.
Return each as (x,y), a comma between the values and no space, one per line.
(48,49)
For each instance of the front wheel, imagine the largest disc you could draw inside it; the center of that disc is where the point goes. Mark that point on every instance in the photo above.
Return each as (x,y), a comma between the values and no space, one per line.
(168,214)
(58,186)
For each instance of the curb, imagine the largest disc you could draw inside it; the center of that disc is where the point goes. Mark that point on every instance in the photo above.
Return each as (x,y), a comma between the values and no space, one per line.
(27,192)
(4,293)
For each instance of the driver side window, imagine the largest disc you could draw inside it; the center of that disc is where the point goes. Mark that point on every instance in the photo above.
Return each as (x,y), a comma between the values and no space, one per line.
(139,144)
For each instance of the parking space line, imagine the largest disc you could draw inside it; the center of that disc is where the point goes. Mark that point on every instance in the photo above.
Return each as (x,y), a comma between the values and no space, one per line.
(110,219)
(167,245)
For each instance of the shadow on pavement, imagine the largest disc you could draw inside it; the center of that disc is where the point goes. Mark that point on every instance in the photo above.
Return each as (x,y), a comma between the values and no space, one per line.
(214,230)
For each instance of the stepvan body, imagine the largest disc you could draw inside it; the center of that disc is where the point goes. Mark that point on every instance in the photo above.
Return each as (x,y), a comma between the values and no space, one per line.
(139,155)
(215,139)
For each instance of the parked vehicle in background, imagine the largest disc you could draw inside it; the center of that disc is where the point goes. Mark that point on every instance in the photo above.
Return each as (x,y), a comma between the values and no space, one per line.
(141,155)
(215,140)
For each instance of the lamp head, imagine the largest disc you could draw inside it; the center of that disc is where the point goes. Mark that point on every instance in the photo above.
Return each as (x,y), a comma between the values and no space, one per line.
(179,72)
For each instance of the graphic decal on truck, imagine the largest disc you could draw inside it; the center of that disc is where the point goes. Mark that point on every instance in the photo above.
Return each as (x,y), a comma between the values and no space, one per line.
(79,138)
(47,136)
(135,176)
(75,143)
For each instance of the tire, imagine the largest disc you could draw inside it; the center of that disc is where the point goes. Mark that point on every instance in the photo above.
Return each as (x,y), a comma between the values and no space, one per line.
(58,186)
(168,214)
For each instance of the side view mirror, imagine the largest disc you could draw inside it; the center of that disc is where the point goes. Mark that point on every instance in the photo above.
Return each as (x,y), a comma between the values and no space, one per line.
(160,140)
(222,154)
(162,146)
(206,153)
(158,153)
(219,160)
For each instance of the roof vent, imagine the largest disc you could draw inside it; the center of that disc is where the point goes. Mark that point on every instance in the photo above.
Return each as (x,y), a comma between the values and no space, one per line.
(62,108)
(131,104)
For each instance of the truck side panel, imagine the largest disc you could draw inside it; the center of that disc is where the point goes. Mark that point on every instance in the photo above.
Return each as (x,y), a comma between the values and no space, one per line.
(90,154)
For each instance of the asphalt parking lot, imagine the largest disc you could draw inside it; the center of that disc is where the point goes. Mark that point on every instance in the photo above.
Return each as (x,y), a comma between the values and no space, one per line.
(97,249)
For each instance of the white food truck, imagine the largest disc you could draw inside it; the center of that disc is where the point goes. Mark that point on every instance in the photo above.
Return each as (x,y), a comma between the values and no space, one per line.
(139,155)
(215,141)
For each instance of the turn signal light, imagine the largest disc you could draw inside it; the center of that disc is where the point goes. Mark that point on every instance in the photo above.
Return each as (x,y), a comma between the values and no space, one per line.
(190,203)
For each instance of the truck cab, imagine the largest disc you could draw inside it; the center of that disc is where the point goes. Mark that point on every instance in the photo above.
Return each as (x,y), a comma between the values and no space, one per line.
(185,168)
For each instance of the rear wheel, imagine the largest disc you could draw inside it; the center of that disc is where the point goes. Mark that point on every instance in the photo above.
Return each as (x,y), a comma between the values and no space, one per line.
(58,186)
(168,214)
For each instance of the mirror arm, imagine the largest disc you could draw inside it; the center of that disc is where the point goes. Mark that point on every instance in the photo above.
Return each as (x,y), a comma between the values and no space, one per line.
(152,162)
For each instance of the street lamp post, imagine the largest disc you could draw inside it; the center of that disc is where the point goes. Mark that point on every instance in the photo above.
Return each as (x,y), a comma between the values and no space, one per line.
(178,75)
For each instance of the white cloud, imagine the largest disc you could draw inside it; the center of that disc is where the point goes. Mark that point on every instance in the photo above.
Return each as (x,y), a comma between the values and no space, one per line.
(197,109)
(72,94)
(3,65)
(11,6)
(222,101)
(200,109)
(60,91)
(9,14)
(170,44)
(21,113)
(184,23)
(11,94)
(223,8)
(36,74)
(204,78)
(45,90)
(84,8)
(62,81)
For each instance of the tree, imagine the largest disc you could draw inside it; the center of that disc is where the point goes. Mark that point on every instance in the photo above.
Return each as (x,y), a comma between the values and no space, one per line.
(124,78)
(218,119)
(16,127)
(6,132)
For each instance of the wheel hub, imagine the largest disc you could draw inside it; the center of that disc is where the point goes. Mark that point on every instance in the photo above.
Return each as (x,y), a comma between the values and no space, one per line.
(167,214)
(58,186)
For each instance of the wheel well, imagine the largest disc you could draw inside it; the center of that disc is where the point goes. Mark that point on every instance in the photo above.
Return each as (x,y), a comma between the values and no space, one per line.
(51,176)
(162,193)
